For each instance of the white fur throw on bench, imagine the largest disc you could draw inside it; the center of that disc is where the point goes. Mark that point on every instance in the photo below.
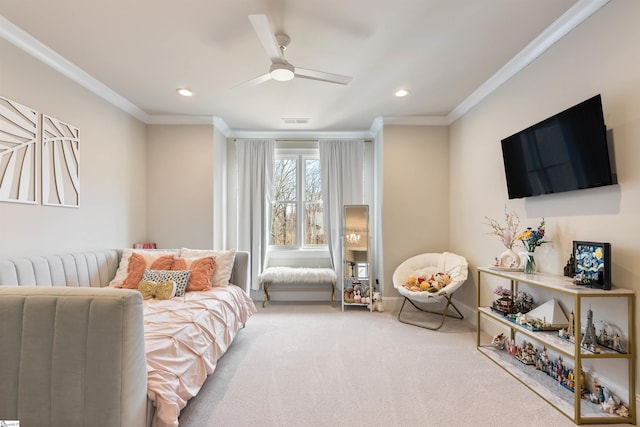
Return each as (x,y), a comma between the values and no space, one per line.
(287,271)
(298,275)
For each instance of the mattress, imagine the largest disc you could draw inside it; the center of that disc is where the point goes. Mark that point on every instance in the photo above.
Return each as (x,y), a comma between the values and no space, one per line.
(184,338)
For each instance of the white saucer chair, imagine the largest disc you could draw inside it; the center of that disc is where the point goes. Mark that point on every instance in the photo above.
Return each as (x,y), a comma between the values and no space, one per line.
(424,265)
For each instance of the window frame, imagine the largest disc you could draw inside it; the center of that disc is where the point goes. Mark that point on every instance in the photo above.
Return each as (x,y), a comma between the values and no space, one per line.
(301,155)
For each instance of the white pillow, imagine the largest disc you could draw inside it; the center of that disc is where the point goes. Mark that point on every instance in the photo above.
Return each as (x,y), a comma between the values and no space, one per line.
(149,255)
(224,263)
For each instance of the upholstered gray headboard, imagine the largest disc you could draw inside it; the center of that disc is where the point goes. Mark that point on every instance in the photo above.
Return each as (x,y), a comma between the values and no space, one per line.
(86,269)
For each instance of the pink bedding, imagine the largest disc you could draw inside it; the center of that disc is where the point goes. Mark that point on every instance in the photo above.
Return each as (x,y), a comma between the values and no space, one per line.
(184,338)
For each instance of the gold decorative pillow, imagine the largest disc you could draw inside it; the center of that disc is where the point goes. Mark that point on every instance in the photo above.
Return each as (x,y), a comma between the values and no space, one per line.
(162,290)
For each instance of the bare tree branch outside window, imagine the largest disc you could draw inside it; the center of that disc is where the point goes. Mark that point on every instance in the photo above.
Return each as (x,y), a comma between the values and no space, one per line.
(285,204)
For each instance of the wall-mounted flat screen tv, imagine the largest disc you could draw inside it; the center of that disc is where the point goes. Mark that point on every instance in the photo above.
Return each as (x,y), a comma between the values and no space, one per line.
(565,152)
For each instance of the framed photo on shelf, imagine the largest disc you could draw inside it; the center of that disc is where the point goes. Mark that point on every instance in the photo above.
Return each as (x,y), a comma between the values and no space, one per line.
(592,264)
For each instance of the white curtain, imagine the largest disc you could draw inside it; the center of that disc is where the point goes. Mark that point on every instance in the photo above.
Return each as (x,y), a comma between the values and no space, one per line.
(342,174)
(255,172)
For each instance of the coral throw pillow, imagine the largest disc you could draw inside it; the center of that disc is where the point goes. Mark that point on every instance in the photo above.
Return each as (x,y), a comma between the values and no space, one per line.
(202,271)
(137,266)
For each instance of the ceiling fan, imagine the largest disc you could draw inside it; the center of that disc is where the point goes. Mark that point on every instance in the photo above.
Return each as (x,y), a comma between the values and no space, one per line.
(281,69)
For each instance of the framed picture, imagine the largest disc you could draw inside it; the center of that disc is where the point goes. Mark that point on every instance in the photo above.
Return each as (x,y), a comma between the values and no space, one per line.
(592,265)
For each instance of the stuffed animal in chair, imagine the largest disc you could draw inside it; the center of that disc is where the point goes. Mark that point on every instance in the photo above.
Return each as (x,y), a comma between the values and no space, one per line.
(376,302)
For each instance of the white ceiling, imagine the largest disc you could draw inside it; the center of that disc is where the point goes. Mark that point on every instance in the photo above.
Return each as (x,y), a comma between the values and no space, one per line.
(444,52)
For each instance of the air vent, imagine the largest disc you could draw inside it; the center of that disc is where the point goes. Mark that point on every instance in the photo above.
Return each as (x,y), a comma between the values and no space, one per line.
(294,121)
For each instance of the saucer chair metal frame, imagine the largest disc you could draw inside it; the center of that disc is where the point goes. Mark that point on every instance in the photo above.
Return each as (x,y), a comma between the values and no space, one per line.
(454,265)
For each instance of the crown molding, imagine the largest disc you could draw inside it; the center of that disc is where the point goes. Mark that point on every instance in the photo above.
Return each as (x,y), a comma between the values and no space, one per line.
(376,126)
(574,16)
(415,120)
(161,119)
(221,125)
(25,41)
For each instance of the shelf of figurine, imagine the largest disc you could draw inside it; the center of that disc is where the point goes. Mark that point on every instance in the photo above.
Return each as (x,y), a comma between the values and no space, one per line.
(357,293)
(564,375)
(608,402)
(529,355)
(532,324)
(591,342)
(509,304)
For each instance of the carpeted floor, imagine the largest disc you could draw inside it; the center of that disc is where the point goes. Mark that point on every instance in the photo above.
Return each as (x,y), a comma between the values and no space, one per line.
(298,364)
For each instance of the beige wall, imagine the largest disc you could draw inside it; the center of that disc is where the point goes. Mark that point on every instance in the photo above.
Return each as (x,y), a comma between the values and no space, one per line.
(180,185)
(597,57)
(112,211)
(415,206)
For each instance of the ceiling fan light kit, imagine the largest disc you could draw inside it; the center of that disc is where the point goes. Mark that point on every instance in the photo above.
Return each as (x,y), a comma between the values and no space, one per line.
(282,72)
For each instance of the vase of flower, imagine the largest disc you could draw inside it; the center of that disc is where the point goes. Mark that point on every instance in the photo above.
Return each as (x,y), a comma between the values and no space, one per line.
(531,239)
(529,262)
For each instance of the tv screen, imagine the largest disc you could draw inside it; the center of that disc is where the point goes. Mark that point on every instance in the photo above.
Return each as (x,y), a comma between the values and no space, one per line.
(565,152)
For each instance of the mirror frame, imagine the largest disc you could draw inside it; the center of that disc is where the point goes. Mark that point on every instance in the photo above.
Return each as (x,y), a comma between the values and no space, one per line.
(356,246)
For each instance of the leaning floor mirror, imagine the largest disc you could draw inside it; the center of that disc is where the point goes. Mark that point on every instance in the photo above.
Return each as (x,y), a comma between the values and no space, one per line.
(356,284)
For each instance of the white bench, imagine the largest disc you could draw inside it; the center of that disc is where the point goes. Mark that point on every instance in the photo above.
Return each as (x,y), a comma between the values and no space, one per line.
(297,274)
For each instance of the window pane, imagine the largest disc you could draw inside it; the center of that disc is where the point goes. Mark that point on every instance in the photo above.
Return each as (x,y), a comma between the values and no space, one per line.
(284,180)
(283,224)
(314,224)
(312,180)
(363,270)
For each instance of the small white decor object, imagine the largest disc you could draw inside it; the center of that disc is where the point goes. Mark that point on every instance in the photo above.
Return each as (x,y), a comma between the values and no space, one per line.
(18,152)
(60,163)
(509,259)
(507,233)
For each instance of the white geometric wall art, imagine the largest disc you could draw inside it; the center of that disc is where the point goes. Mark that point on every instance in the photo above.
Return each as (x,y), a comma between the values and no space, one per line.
(60,163)
(18,152)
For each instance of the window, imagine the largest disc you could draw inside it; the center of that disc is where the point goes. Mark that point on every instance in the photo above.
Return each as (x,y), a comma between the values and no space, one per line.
(297,210)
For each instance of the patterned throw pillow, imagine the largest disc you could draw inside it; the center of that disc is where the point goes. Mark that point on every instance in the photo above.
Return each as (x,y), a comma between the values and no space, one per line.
(180,278)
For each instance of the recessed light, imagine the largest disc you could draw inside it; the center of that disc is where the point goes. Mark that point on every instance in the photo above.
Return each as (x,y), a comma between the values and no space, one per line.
(184,92)
(402,92)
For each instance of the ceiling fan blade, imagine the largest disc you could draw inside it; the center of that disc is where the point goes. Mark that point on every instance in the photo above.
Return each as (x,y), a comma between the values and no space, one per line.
(322,76)
(255,81)
(263,29)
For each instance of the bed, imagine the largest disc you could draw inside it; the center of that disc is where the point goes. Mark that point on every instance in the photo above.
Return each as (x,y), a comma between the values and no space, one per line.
(184,338)
(179,339)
